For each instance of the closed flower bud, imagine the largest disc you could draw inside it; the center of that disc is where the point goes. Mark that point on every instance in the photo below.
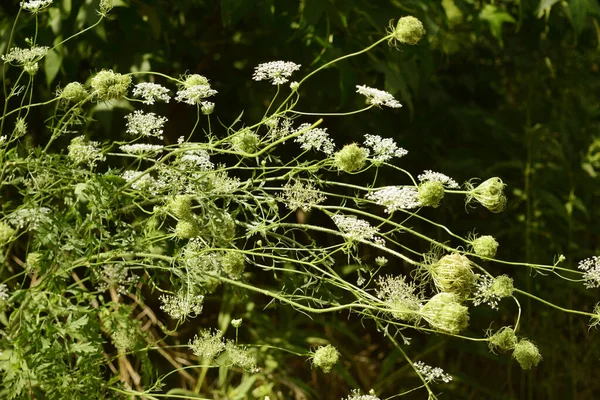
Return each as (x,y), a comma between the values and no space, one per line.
(181,207)
(444,312)
(485,246)
(186,229)
(408,30)
(325,357)
(503,340)
(351,158)
(431,193)
(108,85)
(527,354)
(503,286)
(245,141)
(207,107)
(489,193)
(74,92)
(236,323)
(195,80)
(453,273)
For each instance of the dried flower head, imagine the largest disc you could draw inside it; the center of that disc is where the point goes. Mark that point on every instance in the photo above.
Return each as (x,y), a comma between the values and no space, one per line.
(108,85)
(378,97)
(408,30)
(351,158)
(395,197)
(325,357)
(150,92)
(445,313)
(277,72)
(489,194)
(527,354)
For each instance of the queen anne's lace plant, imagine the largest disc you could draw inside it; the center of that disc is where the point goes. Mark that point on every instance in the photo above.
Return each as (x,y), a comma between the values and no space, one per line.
(145,124)
(19,57)
(241,357)
(356,395)
(355,229)
(150,92)
(275,71)
(35,6)
(141,181)
(117,277)
(199,159)
(383,149)
(182,305)
(194,89)
(448,182)
(431,374)
(591,276)
(378,97)
(207,345)
(400,297)
(316,138)
(83,151)
(32,218)
(396,198)
(301,195)
(141,148)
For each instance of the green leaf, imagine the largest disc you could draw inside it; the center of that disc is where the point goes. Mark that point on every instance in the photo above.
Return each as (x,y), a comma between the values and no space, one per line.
(83,347)
(52,63)
(496,17)
(543,6)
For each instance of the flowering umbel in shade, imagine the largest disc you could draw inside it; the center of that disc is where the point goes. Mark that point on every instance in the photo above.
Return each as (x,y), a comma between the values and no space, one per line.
(325,357)
(277,72)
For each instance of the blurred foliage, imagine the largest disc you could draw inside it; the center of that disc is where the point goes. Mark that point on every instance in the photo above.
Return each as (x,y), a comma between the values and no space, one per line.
(503,88)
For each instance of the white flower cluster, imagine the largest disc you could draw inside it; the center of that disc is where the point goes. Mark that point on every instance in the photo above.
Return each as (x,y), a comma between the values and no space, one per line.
(396,197)
(3,292)
(182,305)
(141,148)
(193,95)
(356,395)
(279,127)
(276,71)
(428,175)
(431,374)
(29,217)
(115,276)
(208,345)
(355,229)
(378,97)
(141,124)
(142,181)
(199,159)
(241,357)
(83,151)
(383,149)
(485,293)
(300,195)
(20,56)
(400,296)
(35,6)
(316,138)
(151,92)
(591,266)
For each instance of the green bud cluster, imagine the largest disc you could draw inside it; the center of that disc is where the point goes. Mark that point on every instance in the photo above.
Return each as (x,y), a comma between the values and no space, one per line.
(431,193)
(74,92)
(245,141)
(351,158)
(408,30)
(108,85)
(489,194)
(445,313)
(325,357)
(485,246)
(527,354)
(6,233)
(503,340)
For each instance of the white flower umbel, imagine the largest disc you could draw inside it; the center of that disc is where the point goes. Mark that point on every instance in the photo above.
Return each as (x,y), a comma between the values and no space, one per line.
(199,159)
(194,89)
(300,195)
(150,92)
(141,181)
(428,175)
(207,345)
(378,97)
(141,148)
(182,305)
(400,297)
(18,56)
(431,374)
(356,395)
(383,149)
(485,294)
(141,124)
(35,6)
(396,197)
(355,229)
(591,276)
(31,218)
(241,357)
(83,151)
(316,138)
(276,71)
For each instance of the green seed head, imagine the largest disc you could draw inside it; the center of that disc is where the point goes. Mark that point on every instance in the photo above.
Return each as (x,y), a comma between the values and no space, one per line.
(431,193)
(444,312)
(489,194)
(453,273)
(74,92)
(351,158)
(245,141)
(527,354)
(485,246)
(503,286)
(503,340)
(108,85)
(408,30)
(186,229)
(181,207)
(325,357)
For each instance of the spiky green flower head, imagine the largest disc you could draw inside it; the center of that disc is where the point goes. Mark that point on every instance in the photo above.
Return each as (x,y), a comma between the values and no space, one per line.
(527,354)
(74,92)
(325,357)
(245,141)
(453,273)
(485,246)
(351,158)
(186,229)
(503,340)
(489,194)
(181,207)
(408,30)
(6,233)
(431,193)
(233,264)
(445,313)
(108,85)
(503,286)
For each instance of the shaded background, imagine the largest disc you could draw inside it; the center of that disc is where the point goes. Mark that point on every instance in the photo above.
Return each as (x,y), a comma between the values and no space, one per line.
(505,88)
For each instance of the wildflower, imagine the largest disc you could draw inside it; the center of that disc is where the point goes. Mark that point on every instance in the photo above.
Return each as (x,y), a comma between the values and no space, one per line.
(115,276)
(400,297)
(182,305)
(83,151)
(31,68)
(108,85)
(503,340)
(6,233)
(431,374)
(325,357)
(351,158)
(276,71)
(233,264)
(527,354)
(150,92)
(591,276)
(105,7)
(74,92)
(356,395)
(395,197)
(430,193)
(485,246)
(207,345)
(140,179)
(21,57)
(409,30)
(453,273)
(199,159)
(294,86)
(490,290)
(141,148)
(207,107)
(301,195)
(32,218)
(445,313)
(245,141)
(378,97)
(383,149)
(241,357)
(355,229)
(381,261)
(316,138)
(149,124)
(438,177)
(194,88)
(489,194)
(20,127)
(124,339)
(236,323)
(35,6)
